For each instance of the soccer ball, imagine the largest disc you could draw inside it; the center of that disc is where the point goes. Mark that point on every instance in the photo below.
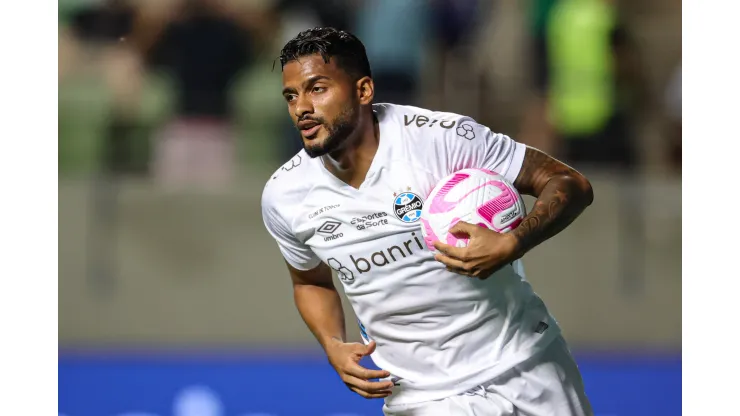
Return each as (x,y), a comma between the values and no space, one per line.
(476,196)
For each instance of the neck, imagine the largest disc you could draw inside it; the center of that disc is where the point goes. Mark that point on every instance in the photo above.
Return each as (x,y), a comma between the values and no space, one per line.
(351,163)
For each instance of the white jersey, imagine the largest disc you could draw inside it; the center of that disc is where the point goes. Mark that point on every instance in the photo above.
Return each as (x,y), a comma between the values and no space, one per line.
(438,333)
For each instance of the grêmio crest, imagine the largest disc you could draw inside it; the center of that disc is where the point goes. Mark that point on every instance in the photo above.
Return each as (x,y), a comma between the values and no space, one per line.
(407,206)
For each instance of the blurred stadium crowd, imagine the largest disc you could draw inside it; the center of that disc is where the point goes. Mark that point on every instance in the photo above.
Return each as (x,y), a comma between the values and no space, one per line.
(184,91)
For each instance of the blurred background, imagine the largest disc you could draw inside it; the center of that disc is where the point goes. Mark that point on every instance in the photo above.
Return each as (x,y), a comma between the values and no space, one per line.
(174,300)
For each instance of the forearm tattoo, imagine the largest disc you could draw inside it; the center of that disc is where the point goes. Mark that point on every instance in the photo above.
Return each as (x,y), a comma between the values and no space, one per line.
(562,195)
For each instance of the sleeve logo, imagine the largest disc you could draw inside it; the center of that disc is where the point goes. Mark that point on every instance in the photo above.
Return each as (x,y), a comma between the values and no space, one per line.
(465,131)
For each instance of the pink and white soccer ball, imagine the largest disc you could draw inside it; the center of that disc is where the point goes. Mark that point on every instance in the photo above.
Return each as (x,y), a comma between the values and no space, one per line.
(476,196)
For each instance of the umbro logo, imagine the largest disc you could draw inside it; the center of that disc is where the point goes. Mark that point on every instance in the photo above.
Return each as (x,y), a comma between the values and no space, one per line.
(329,229)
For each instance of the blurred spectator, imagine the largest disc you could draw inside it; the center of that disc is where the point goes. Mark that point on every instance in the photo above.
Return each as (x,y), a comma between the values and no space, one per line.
(95,57)
(536,130)
(101,28)
(674,114)
(298,15)
(103,21)
(395,35)
(455,21)
(594,90)
(539,14)
(203,45)
(455,58)
(588,72)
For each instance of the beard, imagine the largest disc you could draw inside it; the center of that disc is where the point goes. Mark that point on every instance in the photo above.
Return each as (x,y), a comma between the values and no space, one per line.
(338,131)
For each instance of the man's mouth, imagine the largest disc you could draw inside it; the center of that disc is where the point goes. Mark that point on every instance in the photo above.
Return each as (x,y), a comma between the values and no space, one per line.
(308,128)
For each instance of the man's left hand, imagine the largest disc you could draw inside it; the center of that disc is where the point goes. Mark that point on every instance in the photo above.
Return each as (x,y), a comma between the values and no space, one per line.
(487,251)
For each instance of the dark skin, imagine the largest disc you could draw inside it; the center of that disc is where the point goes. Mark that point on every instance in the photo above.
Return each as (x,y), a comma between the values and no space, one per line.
(321,93)
(562,195)
(320,307)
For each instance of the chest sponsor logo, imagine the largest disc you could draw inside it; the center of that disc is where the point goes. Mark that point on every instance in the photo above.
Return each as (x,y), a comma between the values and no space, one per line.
(321,211)
(343,273)
(329,230)
(366,262)
(370,221)
(407,206)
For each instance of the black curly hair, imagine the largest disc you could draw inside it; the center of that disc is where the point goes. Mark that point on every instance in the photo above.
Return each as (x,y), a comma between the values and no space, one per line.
(346,49)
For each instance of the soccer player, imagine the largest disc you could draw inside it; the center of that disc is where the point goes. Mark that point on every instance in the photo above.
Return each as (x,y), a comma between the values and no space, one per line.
(456,331)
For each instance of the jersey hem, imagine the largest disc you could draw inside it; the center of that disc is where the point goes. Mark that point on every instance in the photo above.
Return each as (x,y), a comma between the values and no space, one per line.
(414,396)
(301,267)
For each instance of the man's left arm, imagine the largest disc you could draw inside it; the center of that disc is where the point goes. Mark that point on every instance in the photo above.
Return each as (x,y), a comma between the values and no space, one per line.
(562,195)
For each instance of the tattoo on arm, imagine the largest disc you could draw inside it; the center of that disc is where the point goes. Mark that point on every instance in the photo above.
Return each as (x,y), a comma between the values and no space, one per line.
(562,195)
(537,170)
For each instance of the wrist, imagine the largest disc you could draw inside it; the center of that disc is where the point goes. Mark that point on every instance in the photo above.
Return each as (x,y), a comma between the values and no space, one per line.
(332,341)
(517,245)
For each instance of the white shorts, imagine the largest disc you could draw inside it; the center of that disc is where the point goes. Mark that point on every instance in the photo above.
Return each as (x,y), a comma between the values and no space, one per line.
(548,384)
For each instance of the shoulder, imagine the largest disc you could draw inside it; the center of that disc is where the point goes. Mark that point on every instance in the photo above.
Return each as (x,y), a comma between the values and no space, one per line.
(426,124)
(418,117)
(289,184)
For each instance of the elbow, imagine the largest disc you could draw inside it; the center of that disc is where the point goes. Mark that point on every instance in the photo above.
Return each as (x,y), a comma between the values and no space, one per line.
(580,188)
(587,190)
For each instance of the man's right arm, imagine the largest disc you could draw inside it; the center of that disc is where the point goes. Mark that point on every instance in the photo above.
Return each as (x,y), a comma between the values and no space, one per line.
(313,288)
(320,307)
(318,303)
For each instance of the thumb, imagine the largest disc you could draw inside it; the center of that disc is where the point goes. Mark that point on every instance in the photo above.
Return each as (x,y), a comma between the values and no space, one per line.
(462,227)
(370,348)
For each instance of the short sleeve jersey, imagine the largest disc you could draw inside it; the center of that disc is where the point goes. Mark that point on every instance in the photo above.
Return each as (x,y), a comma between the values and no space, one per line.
(437,332)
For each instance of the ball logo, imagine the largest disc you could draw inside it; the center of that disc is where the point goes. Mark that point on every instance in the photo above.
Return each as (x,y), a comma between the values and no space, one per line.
(407,206)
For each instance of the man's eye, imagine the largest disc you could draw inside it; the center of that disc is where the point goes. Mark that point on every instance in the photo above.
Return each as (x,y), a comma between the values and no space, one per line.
(319,89)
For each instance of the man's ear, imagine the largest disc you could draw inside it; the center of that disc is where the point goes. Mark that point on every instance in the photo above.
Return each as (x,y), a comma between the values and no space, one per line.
(365,90)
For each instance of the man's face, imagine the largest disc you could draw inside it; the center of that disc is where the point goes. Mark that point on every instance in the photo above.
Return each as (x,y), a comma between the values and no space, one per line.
(322,101)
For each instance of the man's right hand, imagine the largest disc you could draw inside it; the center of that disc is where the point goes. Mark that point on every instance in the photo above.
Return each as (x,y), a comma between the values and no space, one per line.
(345,358)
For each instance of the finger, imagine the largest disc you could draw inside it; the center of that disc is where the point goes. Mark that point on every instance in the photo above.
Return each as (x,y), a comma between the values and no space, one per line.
(366,395)
(450,262)
(450,251)
(361,349)
(368,386)
(463,227)
(370,348)
(460,271)
(355,370)
(455,265)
